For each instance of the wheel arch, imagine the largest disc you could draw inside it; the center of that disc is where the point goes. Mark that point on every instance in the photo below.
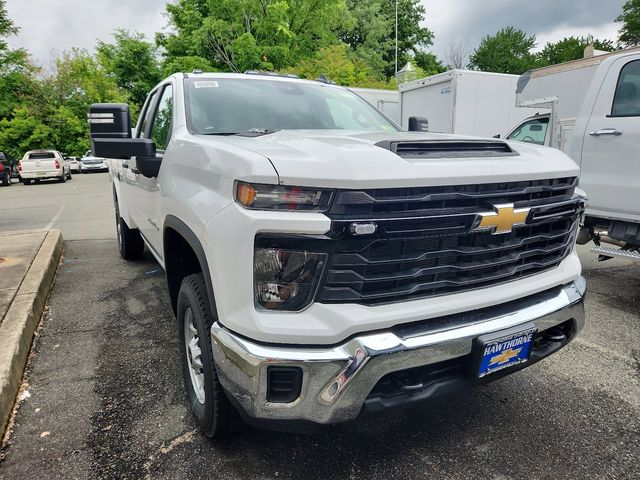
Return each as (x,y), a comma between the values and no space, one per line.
(122,206)
(183,255)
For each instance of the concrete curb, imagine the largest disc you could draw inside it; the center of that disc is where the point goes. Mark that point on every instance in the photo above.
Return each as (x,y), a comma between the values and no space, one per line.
(21,320)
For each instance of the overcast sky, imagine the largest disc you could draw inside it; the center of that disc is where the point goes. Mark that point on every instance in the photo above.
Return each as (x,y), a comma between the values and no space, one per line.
(55,25)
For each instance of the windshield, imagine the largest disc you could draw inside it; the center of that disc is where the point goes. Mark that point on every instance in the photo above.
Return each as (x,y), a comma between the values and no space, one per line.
(227,106)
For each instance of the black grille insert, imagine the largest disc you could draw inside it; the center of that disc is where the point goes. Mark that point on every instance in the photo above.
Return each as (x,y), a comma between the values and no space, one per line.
(284,384)
(425,244)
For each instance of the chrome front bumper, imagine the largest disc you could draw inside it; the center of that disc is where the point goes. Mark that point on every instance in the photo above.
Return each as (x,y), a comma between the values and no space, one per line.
(338,379)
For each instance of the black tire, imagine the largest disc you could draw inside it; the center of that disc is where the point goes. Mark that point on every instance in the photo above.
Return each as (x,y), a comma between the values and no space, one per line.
(26,181)
(69,176)
(216,416)
(6,180)
(130,243)
(62,178)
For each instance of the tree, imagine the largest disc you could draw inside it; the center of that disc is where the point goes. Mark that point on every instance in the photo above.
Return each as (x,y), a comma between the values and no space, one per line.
(458,54)
(55,114)
(16,72)
(629,34)
(370,32)
(572,48)
(428,64)
(132,62)
(508,51)
(237,35)
(334,62)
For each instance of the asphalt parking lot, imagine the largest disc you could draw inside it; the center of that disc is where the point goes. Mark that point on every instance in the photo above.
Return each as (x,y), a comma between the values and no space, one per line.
(106,397)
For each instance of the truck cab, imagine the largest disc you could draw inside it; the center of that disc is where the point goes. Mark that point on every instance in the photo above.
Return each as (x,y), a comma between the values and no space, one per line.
(595,119)
(321,262)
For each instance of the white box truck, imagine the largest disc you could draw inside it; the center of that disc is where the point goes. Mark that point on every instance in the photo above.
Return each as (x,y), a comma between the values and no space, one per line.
(387,101)
(463,102)
(595,118)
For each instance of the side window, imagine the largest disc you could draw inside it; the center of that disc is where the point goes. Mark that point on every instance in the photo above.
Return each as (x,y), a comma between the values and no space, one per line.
(161,130)
(148,113)
(626,101)
(531,131)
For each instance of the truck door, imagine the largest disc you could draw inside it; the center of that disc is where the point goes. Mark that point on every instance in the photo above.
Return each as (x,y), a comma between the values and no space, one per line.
(146,205)
(611,147)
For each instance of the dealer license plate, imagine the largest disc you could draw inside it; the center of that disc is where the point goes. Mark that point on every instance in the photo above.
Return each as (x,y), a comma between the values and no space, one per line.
(504,351)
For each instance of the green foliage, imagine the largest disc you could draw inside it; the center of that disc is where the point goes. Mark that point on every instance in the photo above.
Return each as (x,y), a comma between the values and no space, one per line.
(236,35)
(572,48)
(185,64)
(508,51)
(370,32)
(428,64)
(132,62)
(630,19)
(55,114)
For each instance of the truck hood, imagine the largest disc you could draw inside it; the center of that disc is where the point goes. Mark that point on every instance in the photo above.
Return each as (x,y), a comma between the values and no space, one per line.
(347,159)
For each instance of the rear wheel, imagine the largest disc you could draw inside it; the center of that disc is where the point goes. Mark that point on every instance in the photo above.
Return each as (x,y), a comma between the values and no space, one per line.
(62,178)
(209,403)
(130,243)
(6,179)
(69,176)
(26,181)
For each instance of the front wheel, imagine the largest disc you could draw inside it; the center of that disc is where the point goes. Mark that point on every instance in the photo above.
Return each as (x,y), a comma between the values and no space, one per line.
(130,243)
(209,403)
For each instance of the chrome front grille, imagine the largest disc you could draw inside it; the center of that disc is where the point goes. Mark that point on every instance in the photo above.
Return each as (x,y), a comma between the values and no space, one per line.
(425,244)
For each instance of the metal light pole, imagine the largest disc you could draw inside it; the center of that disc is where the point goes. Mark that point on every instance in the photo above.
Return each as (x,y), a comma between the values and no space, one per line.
(396,37)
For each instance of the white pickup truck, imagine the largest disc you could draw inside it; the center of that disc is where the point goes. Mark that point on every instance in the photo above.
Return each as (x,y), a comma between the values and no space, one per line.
(323,263)
(39,165)
(595,119)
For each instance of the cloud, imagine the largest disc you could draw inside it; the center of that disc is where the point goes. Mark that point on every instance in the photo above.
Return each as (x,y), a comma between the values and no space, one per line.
(48,27)
(549,20)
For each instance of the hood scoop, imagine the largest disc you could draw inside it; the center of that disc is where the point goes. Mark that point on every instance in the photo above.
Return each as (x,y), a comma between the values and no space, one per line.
(425,149)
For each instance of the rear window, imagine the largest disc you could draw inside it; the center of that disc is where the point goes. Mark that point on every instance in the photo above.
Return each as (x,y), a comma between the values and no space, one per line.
(41,155)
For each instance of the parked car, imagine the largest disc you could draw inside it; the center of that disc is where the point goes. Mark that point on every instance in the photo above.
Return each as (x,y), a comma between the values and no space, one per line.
(90,163)
(39,165)
(5,170)
(321,262)
(74,164)
(595,119)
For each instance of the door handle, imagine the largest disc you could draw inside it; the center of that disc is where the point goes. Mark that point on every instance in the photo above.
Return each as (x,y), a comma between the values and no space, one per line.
(606,131)
(125,165)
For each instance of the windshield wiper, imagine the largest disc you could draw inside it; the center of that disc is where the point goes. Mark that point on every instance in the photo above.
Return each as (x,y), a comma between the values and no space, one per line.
(254,132)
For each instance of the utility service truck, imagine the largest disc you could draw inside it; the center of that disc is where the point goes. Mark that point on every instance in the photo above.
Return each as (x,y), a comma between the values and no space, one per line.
(594,117)
(323,263)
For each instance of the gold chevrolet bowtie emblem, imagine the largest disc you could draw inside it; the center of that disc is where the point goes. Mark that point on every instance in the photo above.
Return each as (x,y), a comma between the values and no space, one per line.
(503,219)
(505,356)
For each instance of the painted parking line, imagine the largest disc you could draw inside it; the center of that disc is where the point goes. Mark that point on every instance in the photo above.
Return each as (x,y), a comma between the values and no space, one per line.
(55,218)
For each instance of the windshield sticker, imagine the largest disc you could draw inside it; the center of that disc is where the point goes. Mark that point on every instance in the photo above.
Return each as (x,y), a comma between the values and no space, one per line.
(206,84)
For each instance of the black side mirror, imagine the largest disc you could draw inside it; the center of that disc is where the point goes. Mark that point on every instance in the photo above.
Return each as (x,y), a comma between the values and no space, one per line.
(110,129)
(418,124)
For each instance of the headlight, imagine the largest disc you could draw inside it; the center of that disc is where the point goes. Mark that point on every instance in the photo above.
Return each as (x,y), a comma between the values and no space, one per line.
(286,279)
(279,197)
